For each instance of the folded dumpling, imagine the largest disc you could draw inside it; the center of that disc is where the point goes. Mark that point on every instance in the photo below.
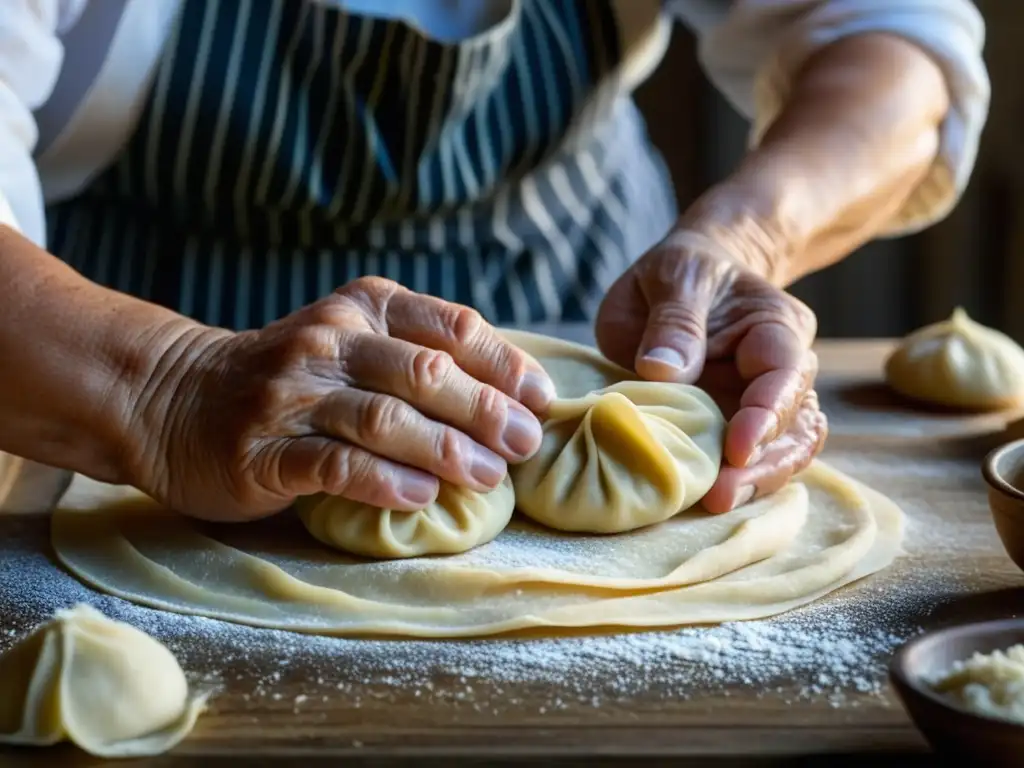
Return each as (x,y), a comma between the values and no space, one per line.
(958,363)
(458,520)
(623,457)
(106,686)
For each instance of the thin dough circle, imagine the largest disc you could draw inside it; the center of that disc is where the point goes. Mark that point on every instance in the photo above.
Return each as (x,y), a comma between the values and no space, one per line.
(958,363)
(821,532)
(459,519)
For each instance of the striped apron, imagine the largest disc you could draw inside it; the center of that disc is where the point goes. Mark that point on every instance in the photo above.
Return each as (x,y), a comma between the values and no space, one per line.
(289,147)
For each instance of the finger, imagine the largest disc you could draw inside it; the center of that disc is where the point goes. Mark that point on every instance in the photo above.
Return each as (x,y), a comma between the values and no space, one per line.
(311,465)
(775,358)
(770,346)
(430,381)
(766,409)
(621,320)
(393,429)
(788,455)
(674,343)
(473,343)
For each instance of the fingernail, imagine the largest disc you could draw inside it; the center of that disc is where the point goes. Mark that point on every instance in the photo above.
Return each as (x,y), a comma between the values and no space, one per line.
(536,390)
(414,487)
(522,433)
(744,496)
(486,467)
(666,356)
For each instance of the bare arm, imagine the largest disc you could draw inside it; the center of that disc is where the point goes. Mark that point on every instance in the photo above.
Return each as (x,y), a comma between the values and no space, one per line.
(237,425)
(76,358)
(859,130)
(858,134)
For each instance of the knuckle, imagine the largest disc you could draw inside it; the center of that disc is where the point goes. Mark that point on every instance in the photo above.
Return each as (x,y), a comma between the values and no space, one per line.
(511,364)
(352,474)
(489,406)
(449,451)
(677,316)
(464,324)
(506,364)
(429,371)
(369,296)
(370,285)
(309,341)
(803,317)
(328,311)
(379,420)
(338,471)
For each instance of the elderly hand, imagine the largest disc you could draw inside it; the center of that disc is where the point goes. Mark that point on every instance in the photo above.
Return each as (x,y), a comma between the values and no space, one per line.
(857,136)
(372,393)
(691,311)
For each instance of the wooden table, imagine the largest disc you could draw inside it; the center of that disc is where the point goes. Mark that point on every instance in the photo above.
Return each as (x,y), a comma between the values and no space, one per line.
(927,462)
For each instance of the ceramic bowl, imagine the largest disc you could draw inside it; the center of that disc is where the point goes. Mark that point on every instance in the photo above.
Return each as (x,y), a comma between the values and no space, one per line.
(951,730)
(1003,470)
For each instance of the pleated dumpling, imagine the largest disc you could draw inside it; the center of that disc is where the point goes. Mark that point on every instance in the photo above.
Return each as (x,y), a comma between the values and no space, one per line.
(458,520)
(106,686)
(623,457)
(958,363)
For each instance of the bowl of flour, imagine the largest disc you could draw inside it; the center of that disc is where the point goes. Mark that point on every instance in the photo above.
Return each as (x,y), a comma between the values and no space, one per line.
(964,689)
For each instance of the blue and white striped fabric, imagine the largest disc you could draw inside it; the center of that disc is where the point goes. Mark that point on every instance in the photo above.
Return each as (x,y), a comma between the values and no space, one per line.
(289,147)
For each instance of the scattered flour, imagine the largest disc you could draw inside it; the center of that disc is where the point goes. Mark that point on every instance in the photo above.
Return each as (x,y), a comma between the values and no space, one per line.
(836,650)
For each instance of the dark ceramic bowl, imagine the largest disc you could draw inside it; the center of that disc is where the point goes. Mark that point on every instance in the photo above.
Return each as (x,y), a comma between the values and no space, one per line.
(1003,470)
(950,729)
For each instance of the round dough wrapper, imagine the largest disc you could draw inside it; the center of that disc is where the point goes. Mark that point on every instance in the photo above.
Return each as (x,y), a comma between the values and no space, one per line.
(106,686)
(458,520)
(624,457)
(819,533)
(958,363)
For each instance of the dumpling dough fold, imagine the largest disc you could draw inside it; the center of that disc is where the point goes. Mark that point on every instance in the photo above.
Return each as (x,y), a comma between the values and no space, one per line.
(623,457)
(106,686)
(458,520)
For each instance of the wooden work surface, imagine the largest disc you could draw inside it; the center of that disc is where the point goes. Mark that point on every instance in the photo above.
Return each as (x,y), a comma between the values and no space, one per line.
(926,462)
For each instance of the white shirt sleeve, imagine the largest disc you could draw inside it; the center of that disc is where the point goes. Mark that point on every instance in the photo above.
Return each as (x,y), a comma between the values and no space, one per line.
(30,60)
(751,50)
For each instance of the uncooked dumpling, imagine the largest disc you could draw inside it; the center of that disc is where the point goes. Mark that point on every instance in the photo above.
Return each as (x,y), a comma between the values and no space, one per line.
(110,688)
(458,520)
(958,363)
(623,457)
(816,535)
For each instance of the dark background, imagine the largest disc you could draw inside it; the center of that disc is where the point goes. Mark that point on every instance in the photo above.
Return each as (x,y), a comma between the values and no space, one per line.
(974,258)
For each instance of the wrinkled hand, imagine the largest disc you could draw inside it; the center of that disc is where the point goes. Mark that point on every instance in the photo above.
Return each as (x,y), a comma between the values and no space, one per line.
(689,312)
(372,393)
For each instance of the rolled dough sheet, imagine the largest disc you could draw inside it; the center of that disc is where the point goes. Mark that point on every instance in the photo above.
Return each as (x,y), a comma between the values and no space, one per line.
(823,531)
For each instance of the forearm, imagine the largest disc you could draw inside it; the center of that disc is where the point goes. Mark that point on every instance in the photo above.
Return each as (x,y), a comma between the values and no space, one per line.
(859,132)
(76,358)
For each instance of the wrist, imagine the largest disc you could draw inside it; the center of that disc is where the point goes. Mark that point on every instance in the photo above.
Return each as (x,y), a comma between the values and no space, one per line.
(741,220)
(150,382)
(81,360)
(859,132)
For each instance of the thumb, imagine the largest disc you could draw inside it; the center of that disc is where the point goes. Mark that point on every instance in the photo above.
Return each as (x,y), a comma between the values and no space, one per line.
(674,344)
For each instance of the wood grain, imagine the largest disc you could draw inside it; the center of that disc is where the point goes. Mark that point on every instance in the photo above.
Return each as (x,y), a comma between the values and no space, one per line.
(874,435)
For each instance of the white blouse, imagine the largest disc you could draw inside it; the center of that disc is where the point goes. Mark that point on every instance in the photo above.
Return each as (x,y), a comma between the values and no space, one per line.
(74,75)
